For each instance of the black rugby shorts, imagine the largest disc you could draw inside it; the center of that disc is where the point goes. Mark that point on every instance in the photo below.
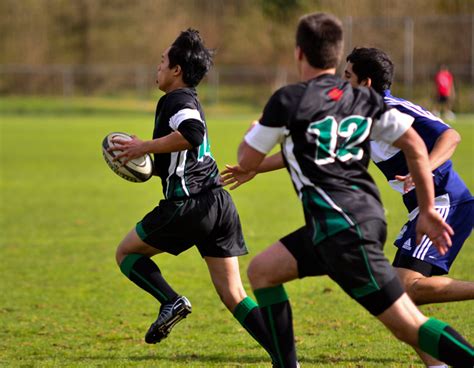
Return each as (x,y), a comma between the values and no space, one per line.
(208,220)
(354,259)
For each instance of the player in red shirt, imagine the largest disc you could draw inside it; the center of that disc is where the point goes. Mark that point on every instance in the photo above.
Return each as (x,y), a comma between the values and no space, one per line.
(444,92)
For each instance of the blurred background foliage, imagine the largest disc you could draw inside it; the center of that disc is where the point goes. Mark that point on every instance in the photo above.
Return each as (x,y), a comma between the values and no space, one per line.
(85,47)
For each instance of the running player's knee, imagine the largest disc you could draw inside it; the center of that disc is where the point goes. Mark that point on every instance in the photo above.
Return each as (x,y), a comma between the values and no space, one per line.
(119,255)
(410,280)
(121,252)
(254,272)
(259,274)
(230,297)
(412,288)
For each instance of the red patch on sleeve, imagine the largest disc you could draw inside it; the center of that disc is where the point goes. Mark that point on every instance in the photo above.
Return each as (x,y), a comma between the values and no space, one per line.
(335,94)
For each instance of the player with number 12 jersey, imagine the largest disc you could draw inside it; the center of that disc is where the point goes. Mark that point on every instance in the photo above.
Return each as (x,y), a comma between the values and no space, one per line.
(327,122)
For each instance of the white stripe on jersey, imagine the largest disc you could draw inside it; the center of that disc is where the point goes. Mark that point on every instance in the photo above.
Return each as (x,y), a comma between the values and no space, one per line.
(180,169)
(295,170)
(300,180)
(183,115)
(418,110)
(333,205)
(391,126)
(171,169)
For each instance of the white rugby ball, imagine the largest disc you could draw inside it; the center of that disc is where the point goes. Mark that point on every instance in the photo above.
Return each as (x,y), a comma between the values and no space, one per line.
(137,170)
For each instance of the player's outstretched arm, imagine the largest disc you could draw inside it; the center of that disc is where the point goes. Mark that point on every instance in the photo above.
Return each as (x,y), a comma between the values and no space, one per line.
(444,148)
(429,221)
(442,151)
(257,143)
(237,176)
(249,158)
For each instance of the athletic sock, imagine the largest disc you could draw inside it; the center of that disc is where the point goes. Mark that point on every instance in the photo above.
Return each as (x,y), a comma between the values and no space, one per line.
(276,310)
(145,273)
(250,317)
(444,343)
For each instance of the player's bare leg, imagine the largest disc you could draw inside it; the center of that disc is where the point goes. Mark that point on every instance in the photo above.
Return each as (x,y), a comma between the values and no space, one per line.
(434,289)
(267,272)
(131,244)
(274,266)
(428,360)
(431,336)
(401,309)
(403,319)
(225,275)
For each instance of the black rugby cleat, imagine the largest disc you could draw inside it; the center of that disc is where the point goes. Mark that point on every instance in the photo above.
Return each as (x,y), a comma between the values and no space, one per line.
(170,314)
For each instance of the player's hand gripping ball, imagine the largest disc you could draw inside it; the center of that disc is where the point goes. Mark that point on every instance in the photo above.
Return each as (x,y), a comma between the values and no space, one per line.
(137,170)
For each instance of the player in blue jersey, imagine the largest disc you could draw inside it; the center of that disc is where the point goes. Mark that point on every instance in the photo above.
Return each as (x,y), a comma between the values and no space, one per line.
(196,210)
(372,67)
(324,127)
(419,267)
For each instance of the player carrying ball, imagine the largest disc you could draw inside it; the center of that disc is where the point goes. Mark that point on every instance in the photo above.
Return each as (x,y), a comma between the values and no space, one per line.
(196,209)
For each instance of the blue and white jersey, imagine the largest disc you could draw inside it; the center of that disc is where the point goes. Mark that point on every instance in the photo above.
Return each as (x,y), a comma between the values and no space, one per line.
(449,187)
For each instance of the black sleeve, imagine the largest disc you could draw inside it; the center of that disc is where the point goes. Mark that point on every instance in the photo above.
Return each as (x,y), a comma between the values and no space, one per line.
(193,131)
(281,106)
(379,102)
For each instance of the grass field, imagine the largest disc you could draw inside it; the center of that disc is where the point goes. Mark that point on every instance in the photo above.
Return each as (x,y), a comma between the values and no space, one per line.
(64,302)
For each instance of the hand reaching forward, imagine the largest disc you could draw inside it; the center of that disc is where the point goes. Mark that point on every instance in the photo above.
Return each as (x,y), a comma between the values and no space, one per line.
(408,183)
(236,175)
(130,149)
(431,224)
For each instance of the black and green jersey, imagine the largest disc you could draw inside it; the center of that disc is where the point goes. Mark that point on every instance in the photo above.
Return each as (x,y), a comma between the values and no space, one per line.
(324,127)
(189,172)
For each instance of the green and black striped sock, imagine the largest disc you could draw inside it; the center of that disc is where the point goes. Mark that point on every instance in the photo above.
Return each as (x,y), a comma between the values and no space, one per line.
(276,310)
(145,273)
(250,317)
(442,342)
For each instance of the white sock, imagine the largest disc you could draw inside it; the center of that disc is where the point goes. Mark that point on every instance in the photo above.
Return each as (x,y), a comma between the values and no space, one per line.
(438,366)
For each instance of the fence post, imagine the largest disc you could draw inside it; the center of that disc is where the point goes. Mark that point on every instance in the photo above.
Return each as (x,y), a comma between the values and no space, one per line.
(68,81)
(348,34)
(213,83)
(408,57)
(141,80)
(472,49)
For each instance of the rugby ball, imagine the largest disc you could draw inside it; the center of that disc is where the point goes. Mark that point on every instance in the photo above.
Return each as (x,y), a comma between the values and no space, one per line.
(137,170)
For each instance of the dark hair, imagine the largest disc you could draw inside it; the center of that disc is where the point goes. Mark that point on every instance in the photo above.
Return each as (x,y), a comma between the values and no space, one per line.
(374,64)
(320,37)
(189,53)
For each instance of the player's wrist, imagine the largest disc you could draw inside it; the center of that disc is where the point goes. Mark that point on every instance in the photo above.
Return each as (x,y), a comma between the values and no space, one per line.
(427,209)
(148,147)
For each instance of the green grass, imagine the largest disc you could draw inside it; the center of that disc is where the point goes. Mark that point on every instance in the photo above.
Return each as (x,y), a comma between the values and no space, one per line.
(64,302)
